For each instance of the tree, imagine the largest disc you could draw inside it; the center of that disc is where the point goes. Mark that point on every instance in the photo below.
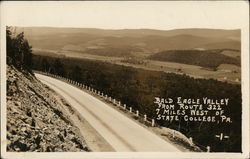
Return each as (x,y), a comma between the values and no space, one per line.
(58,67)
(27,53)
(9,42)
(18,50)
(45,65)
(77,73)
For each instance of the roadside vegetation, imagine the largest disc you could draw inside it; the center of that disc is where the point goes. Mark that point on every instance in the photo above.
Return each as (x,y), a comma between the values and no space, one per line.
(19,51)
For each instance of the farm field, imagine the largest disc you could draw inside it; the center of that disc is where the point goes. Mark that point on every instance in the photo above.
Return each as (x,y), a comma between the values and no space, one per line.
(225,72)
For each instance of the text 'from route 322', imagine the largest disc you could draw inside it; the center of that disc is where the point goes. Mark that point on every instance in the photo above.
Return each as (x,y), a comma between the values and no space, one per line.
(192,110)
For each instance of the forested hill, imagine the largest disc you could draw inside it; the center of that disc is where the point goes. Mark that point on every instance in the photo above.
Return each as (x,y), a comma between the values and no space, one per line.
(204,58)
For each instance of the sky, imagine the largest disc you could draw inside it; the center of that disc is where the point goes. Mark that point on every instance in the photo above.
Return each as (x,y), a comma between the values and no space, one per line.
(126,15)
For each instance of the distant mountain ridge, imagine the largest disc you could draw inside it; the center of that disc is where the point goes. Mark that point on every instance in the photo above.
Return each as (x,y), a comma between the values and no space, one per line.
(144,41)
(135,32)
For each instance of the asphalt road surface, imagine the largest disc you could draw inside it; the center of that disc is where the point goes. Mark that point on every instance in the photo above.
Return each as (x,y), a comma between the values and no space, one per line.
(121,132)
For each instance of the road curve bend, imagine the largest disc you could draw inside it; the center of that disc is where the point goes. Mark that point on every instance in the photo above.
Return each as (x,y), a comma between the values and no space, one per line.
(122,133)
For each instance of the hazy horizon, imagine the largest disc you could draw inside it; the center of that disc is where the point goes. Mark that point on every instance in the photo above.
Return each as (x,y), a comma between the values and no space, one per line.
(125,15)
(99,28)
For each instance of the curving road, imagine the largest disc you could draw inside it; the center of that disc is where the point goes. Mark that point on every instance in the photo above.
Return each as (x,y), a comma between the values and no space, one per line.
(122,133)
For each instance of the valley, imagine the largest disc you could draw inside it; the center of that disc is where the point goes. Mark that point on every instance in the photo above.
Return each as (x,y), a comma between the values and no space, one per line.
(224,72)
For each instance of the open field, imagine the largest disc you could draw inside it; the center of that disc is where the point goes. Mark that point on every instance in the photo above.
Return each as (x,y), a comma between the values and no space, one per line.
(231,53)
(225,72)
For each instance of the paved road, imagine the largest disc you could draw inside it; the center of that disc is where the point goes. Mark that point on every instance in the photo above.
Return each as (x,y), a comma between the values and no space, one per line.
(122,133)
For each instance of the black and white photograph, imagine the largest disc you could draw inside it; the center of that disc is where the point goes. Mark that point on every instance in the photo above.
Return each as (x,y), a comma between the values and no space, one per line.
(133,79)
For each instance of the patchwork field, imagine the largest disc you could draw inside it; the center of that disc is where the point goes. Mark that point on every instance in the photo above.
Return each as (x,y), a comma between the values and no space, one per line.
(224,72)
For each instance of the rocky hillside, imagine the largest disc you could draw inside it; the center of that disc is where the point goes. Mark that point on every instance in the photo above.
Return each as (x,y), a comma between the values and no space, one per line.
(36,120)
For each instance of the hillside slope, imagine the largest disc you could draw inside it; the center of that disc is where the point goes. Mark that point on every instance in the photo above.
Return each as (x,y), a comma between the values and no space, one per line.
(204,58)
(36,120)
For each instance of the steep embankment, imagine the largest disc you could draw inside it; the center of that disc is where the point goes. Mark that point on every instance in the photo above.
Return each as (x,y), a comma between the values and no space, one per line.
(36,120)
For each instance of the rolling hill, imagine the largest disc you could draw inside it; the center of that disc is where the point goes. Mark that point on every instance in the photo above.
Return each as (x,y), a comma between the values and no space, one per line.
(142,41)
(207,58)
